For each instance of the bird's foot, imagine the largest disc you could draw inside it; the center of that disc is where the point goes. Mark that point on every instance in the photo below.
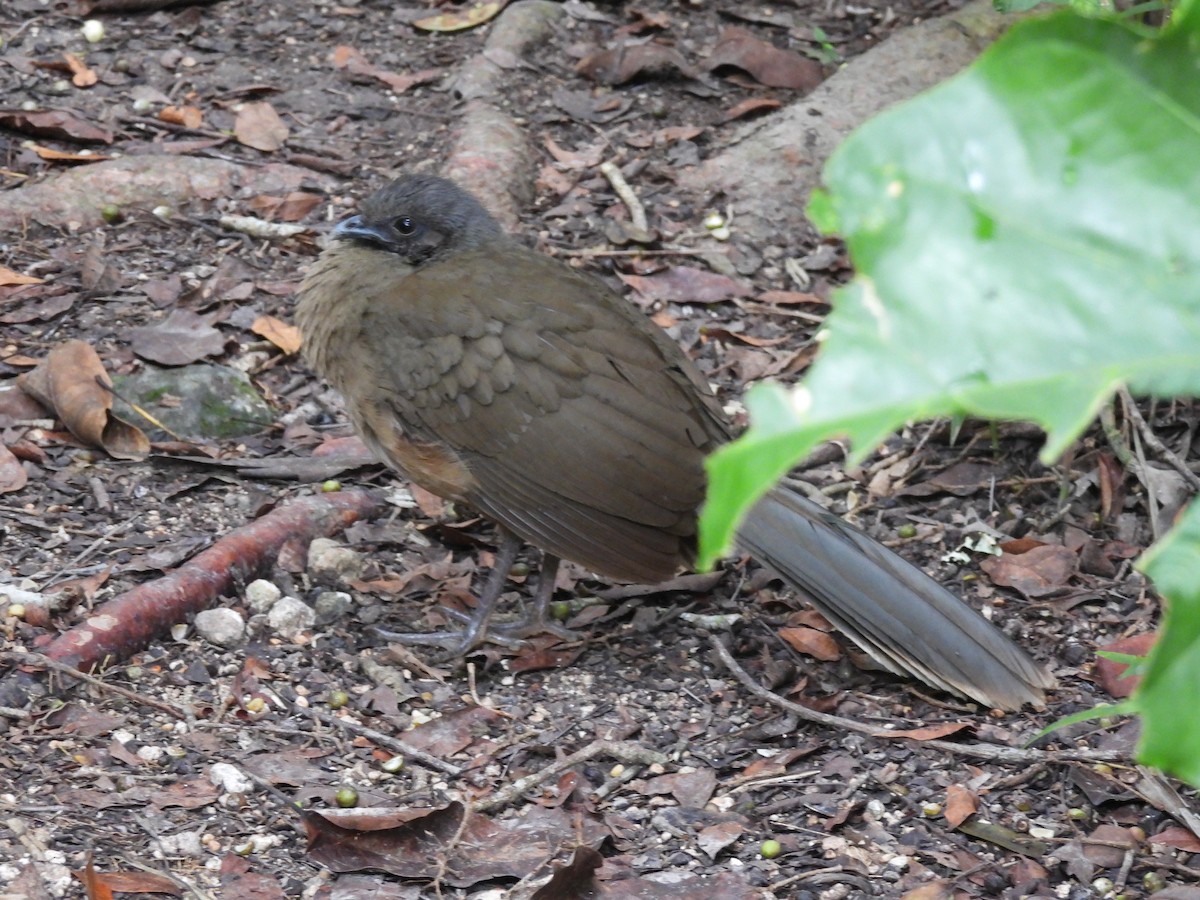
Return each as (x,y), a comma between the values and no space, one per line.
(512,635)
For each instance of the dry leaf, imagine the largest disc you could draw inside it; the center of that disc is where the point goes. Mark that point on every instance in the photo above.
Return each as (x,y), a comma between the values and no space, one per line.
(750,107)
(618,65)
(1179,838)
(259,126)
(187,116)
(183,337)
(765,62)
(49,153)
(960,805)
(54,123)
(928,733)
(815,643)
(587,158)
(785,298)
(350,59)
(1110,674)
(684,284)
(8,276)
(475,14)
(284,336)
(715,838)
(291,208)
(81,75)
(47,303)
(1043,570)
(72,382)
(12,474)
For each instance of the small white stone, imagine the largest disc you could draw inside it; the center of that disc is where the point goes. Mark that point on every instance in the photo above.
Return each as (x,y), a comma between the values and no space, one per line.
(261,595)
(93,31)
(230,779)
(150,754)
(331,563)
(221,626)
(289,618)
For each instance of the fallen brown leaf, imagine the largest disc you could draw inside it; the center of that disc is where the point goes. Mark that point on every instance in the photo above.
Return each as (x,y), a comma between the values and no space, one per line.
(8,276)
(961,804)
(1041,571)
(187,116)
(815,643)
(786,298)
(1110,675)
(72,382)
(684,284)
(929,733)
(81,75)
(259,126)
(292,208)
(1177,837)
(765,62)
(623,63)
(284,336)
(54,123)
(460,20)
(12,473)
(750,107)
(183,337)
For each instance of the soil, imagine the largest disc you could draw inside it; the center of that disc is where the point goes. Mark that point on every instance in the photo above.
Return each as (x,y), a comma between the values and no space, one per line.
(187,760)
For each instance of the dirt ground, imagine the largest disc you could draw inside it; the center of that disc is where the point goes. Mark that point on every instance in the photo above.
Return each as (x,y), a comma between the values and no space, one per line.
(636,755)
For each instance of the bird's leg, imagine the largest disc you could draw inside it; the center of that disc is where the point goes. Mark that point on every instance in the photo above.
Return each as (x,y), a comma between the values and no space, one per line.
(475,627)
(476,630)
(538,621)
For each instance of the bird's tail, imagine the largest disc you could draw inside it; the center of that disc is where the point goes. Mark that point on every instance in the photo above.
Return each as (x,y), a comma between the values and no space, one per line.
(904,619)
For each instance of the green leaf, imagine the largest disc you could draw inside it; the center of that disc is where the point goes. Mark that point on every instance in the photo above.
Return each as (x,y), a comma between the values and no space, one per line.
(1170,740)
(1124,708)
(1027,240)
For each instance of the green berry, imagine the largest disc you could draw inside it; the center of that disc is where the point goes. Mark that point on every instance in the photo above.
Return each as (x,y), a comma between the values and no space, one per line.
(393,765)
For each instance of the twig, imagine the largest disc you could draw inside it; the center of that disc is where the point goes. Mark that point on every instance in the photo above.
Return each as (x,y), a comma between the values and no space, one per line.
(622,750)
(981,751)
(616,782)
(44,662)
(448,850)
(637,213)
(1143,474)
(383,740)
(1154,443)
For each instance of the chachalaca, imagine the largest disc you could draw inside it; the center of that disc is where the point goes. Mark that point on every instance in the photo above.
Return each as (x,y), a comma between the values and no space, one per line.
(500,378)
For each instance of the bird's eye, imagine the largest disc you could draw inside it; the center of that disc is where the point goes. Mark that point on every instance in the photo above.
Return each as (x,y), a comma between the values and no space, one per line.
(405,225)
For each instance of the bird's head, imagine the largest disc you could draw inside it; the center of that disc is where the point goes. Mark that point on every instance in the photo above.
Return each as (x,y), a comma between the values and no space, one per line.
(421,218)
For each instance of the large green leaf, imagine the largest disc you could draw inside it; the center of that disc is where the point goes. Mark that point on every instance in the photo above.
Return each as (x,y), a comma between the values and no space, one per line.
(1027,238)
(1171,740)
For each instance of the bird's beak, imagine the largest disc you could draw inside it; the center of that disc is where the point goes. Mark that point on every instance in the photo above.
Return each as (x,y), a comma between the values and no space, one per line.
(355,228)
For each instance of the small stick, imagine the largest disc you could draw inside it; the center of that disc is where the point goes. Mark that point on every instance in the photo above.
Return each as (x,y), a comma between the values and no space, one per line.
(45,662)
(622,750)
(982,751)
(637,213)
(383,740)
(1152,441)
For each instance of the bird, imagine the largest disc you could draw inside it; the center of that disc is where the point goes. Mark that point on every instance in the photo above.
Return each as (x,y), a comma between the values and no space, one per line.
(501,378)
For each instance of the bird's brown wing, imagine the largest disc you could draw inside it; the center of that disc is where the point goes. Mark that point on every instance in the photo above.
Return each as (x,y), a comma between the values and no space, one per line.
(583,428)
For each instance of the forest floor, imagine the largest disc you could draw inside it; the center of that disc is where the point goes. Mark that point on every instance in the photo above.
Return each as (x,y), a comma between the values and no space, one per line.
(637,754)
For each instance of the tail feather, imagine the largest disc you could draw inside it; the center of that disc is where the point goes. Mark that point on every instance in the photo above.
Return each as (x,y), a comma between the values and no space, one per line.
(904,619)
